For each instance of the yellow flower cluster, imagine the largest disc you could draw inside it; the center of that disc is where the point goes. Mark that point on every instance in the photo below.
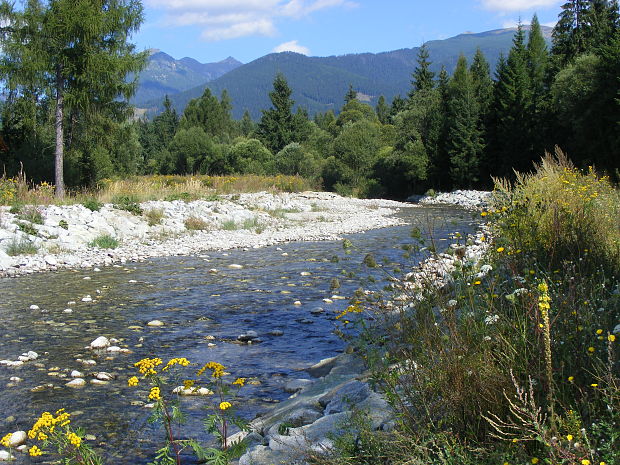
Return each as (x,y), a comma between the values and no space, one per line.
(5,440)
(74,438)
(355,308)
(188,383)
(176,361)
(239,381)
(225,405)
(146,366)
(133,381)
(544,299)
(48,422)
(216,368)
(155,394)
(34,451)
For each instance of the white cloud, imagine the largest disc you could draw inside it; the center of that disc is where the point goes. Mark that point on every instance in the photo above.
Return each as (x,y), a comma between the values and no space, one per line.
(292,46)
(518,5)
(229,19)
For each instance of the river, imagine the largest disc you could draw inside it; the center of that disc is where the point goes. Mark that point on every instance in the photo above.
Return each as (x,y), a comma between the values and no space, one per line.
(194,304)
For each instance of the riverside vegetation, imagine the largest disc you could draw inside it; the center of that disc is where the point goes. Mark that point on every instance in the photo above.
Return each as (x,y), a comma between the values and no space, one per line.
(515,360)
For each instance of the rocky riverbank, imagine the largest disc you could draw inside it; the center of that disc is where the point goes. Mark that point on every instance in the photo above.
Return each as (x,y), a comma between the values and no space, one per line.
(69,236)
(470,199)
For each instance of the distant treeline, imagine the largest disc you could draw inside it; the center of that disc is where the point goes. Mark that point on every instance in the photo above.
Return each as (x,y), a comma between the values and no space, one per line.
(448,132)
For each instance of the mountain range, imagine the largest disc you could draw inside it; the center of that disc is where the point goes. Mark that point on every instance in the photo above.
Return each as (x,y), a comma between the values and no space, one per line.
(318,83)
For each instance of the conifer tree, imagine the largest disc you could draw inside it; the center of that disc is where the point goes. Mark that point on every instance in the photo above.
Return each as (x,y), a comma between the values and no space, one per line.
(465,144)
(423,77)
(483,84)
(351,95)
(383,111)
(277,126)
(569,33)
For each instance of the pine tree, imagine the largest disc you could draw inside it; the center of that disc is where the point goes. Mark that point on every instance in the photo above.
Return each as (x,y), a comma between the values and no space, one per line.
(538,67)
(465,144)
(383,111)
(601,23)
(75,53)
(423,77)
(276,127)
(208,113)
(246,124)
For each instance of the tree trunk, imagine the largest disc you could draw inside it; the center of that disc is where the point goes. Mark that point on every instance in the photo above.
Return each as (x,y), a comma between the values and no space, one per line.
(60,143)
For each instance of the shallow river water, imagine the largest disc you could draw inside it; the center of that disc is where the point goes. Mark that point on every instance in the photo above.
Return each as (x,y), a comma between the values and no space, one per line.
(193,304)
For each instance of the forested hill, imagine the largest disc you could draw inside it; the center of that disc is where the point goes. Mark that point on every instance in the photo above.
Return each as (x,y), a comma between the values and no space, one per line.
(319,83)
(166,75)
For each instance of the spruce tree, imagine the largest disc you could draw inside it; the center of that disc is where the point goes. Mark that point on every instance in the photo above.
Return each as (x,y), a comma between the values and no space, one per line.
(383,111)
(483,84)
(569,32)
(276,127)
(538,66)
(465,144)
(511,131)
(350,95)
(423,77)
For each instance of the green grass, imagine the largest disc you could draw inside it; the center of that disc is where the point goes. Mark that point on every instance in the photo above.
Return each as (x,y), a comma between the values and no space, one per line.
(92,204)
(23,247)
(104,241)
(31,214)
(128,203)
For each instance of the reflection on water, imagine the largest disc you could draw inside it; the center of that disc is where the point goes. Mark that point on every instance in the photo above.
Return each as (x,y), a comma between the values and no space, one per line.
(193,303)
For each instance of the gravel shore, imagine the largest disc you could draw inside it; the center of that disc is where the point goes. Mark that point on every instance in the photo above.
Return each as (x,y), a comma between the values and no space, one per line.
(65,239)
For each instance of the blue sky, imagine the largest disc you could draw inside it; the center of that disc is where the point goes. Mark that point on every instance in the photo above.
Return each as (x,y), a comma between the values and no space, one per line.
(211,30)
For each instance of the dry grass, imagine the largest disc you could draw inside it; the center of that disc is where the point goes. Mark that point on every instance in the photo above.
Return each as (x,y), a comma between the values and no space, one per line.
(143,188)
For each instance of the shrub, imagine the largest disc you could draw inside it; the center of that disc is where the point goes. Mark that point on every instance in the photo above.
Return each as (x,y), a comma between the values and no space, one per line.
(128,203)
(184,196)
(63,224)
(194,223)
(104,241)
(23,247)
(92,204)
(16,208)
(154,216)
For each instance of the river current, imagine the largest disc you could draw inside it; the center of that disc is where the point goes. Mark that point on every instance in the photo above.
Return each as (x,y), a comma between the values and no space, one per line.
(203,313)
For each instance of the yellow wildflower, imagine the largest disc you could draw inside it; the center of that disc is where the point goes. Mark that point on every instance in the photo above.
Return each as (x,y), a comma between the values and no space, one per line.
(188,384)
(594,385)
(585,462)
(611,338)
(500,249)
(571,379)
(5,440)
(569,437)
(42,437)
(176,361)
(154,394)
(225,405)
(34,451)
(535,460)
(146,366)
(599,331)
(133,381)
(477,283)
(217,369)
(239,381)
(591,349)
(74,439)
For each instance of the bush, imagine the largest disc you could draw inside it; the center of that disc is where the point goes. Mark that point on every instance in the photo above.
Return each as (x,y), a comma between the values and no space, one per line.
(24,247)
(63,224)
(194,223)
(105,241)
(92,204)
(154,216)
(128,203)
